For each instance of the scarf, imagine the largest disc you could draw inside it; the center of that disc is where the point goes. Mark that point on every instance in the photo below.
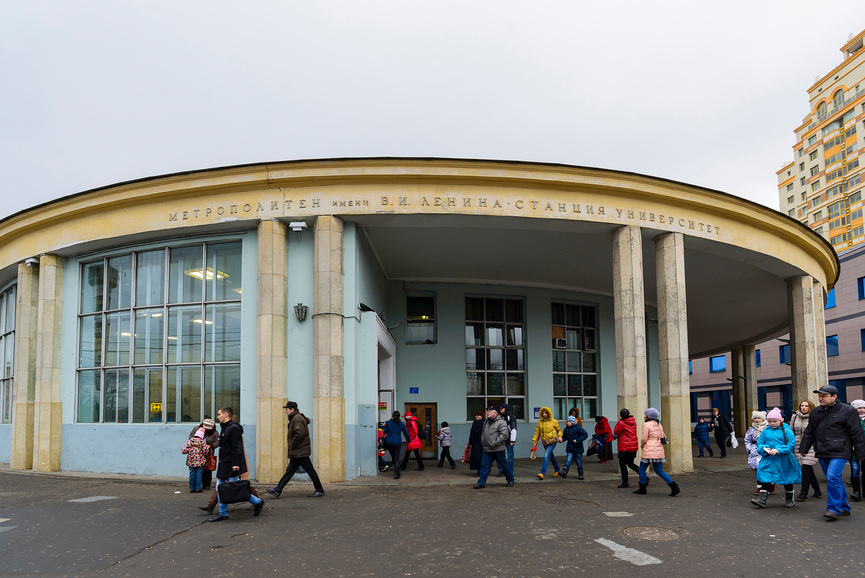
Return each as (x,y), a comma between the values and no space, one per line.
(758,429)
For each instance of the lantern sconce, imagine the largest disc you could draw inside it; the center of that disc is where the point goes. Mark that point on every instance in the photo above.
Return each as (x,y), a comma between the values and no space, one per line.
(300,310)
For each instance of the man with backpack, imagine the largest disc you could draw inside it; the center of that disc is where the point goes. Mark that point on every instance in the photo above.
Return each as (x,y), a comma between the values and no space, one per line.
(511,420)
(417,433)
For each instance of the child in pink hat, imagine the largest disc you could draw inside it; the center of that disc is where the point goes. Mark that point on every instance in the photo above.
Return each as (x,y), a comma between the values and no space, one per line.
(778,464)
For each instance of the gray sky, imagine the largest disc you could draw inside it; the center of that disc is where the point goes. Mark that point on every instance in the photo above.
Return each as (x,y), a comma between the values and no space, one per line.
(96,91)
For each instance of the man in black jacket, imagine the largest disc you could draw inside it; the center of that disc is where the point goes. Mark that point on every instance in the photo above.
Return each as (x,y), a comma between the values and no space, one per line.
(299,450)
(723,429)
(232,460)
(511,420)
(835,431)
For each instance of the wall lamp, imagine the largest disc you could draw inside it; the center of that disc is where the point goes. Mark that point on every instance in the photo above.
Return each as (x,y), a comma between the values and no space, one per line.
(300,311)
(298,227)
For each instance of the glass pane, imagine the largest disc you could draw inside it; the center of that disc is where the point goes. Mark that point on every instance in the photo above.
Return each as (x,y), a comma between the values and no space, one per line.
(572,316)
(119,282)
(558,314)
(118,332)
(588,316)
(149,325)
(150,380)
(89,393)
(575,385)
(516,383)
(558,360)
(475,359)
(419,308)
(138,397)
(559,383)
(222,388)
(90,342)
(222,333)
(560,408)
(150,278)
(91,287)
(474,309)
(473,404)
(515,360)
(495,359)
(518,407)
(495,401)
(589,343)
(474,333)
(4,299)
(10,309)
(495,335)
(224,268)
(495,384)
(515,335)
(184,334)
(573,336)
(420,332)
(185,275)
(116,397)
(588,362)
(494,309)
(9,355)
(474,383)
(513,310)
(590,409)
(6,388)
(590,385)
(574,360)
(184,389)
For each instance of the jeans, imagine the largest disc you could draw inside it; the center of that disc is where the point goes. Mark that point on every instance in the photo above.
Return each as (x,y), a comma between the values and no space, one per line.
(510,450)
(549,457)
(704,444)
(854,468)
(223,508)
(446,455)
(293,464)
(659,469)
(575,457)
(487,462)
(195,478)
(836,494)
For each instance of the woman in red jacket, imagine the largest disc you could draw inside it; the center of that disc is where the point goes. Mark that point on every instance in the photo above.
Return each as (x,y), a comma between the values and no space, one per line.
(602,427)
(626,433)
(414,445)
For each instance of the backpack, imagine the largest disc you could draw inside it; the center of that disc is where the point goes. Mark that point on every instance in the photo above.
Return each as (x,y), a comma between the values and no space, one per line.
(421,432)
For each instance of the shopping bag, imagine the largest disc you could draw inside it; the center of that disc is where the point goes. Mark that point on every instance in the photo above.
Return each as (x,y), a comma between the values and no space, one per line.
(733,441)
(211,461)
(233,492)
(467,454)
(597,446)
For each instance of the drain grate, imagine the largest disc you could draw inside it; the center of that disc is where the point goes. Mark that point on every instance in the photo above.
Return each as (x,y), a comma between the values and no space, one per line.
(652,534)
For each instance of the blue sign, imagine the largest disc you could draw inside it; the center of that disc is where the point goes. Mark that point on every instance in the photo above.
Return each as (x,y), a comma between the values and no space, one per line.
(414,390)
(537,413)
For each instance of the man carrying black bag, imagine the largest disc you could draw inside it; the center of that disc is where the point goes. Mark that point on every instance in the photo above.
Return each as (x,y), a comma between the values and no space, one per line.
(232,461)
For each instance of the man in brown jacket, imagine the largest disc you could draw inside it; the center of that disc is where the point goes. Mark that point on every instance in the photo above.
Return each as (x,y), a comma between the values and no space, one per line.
(299,448)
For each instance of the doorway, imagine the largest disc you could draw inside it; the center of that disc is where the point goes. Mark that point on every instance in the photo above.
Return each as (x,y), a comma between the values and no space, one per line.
(426,415)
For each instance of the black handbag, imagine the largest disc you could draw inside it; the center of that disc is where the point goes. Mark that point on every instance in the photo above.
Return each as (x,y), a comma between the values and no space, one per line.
(233,492)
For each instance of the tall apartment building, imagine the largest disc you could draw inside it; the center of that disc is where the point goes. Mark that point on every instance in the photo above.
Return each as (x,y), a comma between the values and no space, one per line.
(822,187)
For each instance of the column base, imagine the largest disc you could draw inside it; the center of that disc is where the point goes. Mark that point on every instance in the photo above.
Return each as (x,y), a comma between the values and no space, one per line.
(21,457)
(676,419)
(271,443)
(46,447)
(329,439)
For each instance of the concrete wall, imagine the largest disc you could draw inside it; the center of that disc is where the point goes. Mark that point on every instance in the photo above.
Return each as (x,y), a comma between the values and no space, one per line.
(5,442)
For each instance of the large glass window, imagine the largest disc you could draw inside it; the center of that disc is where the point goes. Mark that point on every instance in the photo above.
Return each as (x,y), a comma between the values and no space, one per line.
(718,364)
(7,353)
(420,319)
(832,346)
(495,355)
(575,360)
(159,335)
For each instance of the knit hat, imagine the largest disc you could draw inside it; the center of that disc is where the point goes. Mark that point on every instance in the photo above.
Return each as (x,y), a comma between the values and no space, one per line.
(572,419)
(760,414)
(857,403)
(775,413)
(652,413)
(200,433)
(208,423)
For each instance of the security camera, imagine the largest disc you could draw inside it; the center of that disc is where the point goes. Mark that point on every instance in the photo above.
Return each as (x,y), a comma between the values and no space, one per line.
(31,262)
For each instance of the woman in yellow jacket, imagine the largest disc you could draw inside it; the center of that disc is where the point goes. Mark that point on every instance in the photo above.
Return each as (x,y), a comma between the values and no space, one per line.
(549,433)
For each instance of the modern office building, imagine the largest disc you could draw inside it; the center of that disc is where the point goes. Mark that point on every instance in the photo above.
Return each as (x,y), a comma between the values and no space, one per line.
(360,286)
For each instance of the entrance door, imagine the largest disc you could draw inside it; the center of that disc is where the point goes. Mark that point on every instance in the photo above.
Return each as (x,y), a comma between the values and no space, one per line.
(426,414)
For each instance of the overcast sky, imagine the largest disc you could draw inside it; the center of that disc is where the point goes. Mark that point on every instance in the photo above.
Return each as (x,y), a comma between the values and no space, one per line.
(708,93)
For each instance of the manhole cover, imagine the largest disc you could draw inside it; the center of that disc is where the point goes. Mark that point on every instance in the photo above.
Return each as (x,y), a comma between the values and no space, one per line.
(653,534)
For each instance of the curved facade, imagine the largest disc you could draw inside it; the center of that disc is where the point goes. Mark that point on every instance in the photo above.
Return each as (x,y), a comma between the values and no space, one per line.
(359,286)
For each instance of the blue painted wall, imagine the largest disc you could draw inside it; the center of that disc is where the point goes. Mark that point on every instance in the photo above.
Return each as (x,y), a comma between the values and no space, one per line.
(5,442)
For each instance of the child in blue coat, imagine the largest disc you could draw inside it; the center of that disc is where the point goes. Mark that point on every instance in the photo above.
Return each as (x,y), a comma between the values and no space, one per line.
(575,436)
(701,432)
(778,464)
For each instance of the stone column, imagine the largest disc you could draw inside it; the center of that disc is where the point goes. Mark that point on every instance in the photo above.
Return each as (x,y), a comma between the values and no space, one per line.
(749,371)
(740,405)
(807,336)
(24,365)
(630,321)
(47,407)
(328,360)
(272,327)
(673,341)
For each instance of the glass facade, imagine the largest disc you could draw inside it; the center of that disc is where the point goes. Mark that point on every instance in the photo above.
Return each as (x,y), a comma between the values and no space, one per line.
(7,353)
(159,335)
(575,360)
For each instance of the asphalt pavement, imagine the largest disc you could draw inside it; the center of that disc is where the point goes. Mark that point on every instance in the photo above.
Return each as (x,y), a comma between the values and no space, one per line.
(427,523)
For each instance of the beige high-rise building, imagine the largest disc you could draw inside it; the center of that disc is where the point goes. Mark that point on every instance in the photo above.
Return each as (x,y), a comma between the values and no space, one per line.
(822,187)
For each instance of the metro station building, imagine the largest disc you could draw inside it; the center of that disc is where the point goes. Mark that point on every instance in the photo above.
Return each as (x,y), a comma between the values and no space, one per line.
(360,286)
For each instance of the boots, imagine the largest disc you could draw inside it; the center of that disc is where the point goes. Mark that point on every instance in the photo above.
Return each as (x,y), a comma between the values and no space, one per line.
(857,489)
(624,484)
(642,489)
(564,473)
(674,488)
(788,500)
(807,472)
(210,505)
(760,502)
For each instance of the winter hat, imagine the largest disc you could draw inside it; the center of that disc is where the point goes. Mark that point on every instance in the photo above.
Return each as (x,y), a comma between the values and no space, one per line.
(200,433)
(760,414)
(572,419)
(505,407)
(857,403)
(208,423)
(775,413)
(652,413)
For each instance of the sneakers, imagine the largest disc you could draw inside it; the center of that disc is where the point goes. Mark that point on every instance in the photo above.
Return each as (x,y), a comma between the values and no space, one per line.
(829,514)
(479,486)
(540,476)
(555,474)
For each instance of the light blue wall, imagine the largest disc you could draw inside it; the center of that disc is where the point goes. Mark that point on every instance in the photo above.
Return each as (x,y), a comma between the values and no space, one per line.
(299,337)
(5,443)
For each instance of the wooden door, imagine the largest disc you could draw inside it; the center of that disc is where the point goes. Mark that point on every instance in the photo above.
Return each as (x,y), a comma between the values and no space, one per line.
(426,414)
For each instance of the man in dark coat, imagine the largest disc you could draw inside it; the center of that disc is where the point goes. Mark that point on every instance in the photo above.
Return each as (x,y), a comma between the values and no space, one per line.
(835,431)
(511,420)
(299,449)
(723,429)
(232,460)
